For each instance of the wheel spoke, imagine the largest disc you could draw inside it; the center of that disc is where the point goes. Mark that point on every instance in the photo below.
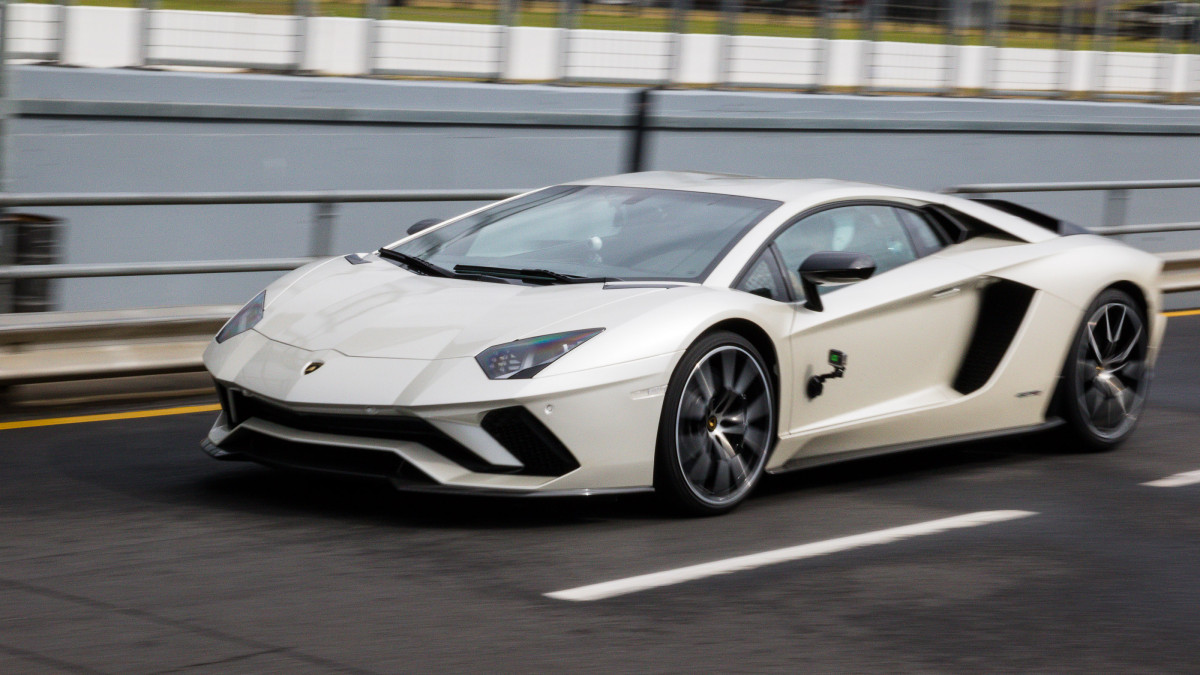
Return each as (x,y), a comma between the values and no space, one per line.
(1114,335)
(744,379)
(737,470)
(722,478)
(1091,333)
(703,381)
(723,444)
(698,472)
(1132,343)
(728,365)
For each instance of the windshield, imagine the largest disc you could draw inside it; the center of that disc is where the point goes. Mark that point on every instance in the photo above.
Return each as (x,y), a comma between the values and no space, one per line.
(597,232)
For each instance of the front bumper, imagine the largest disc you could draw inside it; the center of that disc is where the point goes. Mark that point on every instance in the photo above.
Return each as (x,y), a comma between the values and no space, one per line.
(438,425)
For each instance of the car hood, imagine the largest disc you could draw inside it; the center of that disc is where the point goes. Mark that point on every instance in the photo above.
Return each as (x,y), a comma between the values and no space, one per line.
(380,310)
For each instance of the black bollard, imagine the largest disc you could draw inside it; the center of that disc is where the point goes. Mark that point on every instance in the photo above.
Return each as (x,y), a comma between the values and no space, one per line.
(37,242)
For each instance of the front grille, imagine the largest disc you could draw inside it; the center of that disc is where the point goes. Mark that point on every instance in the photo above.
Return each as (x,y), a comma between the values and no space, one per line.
(537,448)
(241,407)
(355,461)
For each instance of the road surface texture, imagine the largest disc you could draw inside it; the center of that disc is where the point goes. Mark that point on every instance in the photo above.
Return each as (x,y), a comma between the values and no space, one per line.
(123,549)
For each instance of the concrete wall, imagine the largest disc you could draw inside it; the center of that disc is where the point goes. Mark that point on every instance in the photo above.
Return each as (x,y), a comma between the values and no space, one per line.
(81,130)
(108,37)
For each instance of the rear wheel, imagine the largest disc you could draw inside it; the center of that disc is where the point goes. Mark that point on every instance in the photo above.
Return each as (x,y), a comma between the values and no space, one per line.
(1106,377)
(717,426)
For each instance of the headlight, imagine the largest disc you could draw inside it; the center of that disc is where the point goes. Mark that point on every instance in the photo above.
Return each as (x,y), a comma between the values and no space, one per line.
(525,358)
(246,318)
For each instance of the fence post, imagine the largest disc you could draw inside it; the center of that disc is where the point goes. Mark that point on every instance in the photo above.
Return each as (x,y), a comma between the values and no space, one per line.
(1116,203)
(508,14)
(991,46)
(870,27)
(321,242)
(568,19)
(1165,50)
(61,39)
(1098,78)
(730,10)
(679,12)
(1067,39)
(371,14)
(1191,71)
(824,34)
(952,52)
(303,10)
(144,31)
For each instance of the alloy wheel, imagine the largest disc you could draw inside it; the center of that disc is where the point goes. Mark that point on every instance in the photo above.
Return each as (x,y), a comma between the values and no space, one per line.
(724,425)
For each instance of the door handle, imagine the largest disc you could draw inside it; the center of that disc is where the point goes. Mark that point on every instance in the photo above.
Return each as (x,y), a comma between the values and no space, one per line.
(947,292)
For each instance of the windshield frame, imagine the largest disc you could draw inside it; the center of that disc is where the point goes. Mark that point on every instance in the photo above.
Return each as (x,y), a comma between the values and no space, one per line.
(769,207)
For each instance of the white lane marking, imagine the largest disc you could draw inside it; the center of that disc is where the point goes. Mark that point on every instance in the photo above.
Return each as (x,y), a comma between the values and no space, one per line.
(1178,480)
(609,589)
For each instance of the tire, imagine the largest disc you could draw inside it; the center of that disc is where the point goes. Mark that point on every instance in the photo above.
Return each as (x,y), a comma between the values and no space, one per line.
(717,427)
(1105,377)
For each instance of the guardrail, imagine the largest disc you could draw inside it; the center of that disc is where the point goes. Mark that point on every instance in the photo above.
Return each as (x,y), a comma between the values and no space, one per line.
(324,219)
(1116,196)
(57,346)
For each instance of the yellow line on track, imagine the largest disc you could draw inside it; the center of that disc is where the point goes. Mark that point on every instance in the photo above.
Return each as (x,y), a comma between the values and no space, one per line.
(132,415)
(1182,312)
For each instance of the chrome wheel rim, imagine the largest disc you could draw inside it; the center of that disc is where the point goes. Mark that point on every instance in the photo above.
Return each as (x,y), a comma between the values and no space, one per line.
(1110,372)
(724,425)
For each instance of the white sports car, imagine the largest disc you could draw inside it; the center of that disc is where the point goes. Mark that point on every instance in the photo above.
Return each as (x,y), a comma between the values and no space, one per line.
(685,333)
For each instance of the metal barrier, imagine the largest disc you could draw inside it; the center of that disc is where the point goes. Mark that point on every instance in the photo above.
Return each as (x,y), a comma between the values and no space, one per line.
(1116,194)
(323,222)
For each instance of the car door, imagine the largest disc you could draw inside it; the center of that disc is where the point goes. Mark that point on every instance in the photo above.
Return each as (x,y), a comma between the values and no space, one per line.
(903,331)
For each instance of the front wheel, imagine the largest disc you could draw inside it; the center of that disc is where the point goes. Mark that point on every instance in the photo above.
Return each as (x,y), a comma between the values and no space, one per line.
(717,426)
(1106,376)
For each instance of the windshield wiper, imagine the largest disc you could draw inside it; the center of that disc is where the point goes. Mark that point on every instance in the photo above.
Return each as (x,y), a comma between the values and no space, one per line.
(531,275)
(415,264)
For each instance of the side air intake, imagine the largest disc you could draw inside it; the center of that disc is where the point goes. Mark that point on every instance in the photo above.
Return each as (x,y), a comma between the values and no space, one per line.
(537,448)
(1001,311)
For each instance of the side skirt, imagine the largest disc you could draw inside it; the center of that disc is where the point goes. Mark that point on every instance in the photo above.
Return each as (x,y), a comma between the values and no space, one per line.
(833,458)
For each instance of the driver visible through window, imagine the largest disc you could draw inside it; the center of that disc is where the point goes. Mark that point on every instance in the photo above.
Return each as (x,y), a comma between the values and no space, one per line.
(597,232)
(872,229)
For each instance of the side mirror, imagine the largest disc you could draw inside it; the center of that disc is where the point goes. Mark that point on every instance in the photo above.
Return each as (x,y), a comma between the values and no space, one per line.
(422,225)
(830,268)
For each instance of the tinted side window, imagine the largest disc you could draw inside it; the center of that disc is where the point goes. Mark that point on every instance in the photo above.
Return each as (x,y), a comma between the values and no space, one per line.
(928,239)
(871,229)
(762,279)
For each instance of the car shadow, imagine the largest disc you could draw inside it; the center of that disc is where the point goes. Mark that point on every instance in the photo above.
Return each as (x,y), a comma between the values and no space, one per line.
(249,487)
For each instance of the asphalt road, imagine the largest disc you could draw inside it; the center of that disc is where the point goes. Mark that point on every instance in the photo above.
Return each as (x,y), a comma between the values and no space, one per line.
(124,550)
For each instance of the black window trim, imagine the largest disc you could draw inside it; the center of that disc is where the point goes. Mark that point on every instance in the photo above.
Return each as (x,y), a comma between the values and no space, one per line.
(770,242)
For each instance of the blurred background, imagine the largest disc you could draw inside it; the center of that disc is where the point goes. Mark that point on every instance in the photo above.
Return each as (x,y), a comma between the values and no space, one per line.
(162,161)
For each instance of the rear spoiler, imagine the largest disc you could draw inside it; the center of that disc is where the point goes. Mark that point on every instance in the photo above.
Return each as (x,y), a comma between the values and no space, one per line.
(1036,217)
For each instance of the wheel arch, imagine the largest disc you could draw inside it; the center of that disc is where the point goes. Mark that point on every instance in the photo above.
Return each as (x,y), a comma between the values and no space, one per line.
(758,337)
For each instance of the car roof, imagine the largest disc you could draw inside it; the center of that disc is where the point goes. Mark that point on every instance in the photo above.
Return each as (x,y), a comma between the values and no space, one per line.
(779,189)
(801,193)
